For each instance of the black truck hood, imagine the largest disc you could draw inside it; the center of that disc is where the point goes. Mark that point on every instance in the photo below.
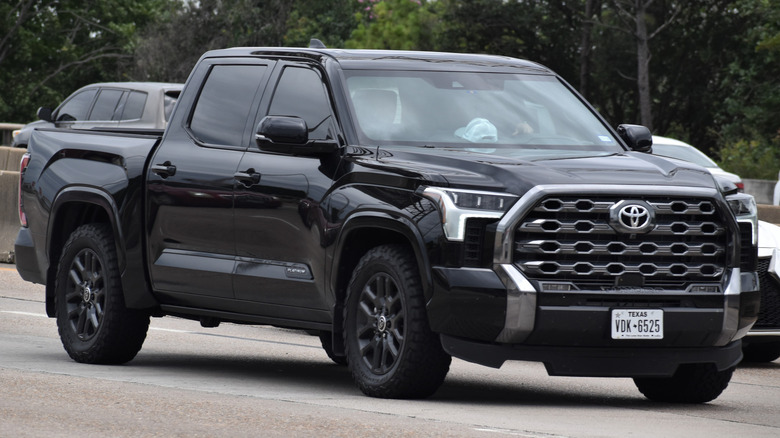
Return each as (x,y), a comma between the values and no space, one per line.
(459,168)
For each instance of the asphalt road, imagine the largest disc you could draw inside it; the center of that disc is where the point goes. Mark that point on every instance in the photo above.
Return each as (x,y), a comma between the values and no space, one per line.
(237,381)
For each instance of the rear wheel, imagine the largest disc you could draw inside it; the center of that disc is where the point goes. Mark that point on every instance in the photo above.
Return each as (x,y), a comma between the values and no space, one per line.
(93,322)
(391,350)
(692,383)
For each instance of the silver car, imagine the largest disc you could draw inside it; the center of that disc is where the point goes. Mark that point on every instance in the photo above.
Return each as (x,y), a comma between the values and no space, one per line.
(135,105)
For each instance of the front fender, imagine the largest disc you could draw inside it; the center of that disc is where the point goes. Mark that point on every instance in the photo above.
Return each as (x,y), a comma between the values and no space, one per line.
(365,230)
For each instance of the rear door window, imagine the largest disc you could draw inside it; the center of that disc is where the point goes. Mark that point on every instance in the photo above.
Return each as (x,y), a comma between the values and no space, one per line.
(106,104)
(220,114)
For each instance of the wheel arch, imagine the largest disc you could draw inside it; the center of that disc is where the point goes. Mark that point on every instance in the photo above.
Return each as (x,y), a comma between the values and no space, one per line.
(75,206)
(360,233)
(364,231)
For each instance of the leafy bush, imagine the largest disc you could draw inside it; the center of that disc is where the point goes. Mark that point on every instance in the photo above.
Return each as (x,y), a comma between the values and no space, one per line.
(754,159)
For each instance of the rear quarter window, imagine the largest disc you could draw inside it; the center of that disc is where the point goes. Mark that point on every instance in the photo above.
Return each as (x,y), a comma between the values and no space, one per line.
(134,106)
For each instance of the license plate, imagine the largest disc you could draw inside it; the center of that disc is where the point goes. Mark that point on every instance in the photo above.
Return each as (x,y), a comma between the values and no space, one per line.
(637,324)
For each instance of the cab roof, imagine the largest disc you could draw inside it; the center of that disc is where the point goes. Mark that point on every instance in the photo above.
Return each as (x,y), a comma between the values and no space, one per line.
(391,59)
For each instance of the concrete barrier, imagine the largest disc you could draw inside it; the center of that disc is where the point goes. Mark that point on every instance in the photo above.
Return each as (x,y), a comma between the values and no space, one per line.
(4,152)
(9,192)
(761,189)
(9,214)
(10,157)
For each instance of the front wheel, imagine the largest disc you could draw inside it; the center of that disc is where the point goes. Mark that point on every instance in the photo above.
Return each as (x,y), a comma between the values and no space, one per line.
(93,322)
(391,350)
(692,383)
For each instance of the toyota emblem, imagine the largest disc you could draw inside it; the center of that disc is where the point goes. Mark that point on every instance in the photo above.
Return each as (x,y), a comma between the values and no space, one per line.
(632,217)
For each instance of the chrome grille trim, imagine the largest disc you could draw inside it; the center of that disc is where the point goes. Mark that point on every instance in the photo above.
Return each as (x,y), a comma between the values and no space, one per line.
(677,228)
(568,236)
(620,248)
(648,270)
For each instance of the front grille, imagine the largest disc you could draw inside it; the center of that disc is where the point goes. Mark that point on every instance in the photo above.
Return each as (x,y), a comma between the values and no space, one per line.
(769,313)
(570,239)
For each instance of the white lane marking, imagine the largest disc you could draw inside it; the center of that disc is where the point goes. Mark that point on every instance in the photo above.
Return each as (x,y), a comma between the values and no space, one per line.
(170,330)
(520,433)
(24,313)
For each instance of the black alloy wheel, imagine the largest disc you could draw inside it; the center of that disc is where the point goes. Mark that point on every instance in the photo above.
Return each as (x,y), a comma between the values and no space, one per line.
(93,322)
(391,350)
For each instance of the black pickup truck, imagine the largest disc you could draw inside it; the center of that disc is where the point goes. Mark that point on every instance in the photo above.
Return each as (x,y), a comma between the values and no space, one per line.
(405,207)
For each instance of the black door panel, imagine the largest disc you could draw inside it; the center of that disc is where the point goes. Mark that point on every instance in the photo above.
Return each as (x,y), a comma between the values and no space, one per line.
(191,181)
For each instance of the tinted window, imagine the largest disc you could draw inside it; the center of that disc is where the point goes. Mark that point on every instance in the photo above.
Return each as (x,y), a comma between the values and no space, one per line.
(134,107)
(120,106)
(224,103)
(76,107)
(169,101)
(301,93)
(105,105)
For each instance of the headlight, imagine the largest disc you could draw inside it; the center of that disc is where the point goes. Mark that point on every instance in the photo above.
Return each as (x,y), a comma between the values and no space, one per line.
(744,208)
(459,205)
(742,204)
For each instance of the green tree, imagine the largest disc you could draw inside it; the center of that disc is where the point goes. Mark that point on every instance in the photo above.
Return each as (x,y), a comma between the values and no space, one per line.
(394,24)
(634,18)
(329,21)
(750,87)
(48,48)
(543,31)
(168,50)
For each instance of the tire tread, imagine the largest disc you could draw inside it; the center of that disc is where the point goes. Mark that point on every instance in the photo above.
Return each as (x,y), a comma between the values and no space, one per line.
(122,331)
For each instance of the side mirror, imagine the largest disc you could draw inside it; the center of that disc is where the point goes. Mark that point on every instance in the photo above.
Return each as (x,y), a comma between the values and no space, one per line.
(638,137)
(289,135)
(45,114)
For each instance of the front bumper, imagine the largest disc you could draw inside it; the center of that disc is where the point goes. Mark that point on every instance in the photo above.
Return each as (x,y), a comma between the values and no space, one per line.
(489,317)
(504,307)
(595,361)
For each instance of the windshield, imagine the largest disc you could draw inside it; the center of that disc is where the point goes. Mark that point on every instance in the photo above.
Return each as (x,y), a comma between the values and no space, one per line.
(495,113)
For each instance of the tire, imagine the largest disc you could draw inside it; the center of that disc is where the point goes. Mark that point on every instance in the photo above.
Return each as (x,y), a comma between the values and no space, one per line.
(326,339)
(692,383)
(391,350)
(93,322)
(761,352)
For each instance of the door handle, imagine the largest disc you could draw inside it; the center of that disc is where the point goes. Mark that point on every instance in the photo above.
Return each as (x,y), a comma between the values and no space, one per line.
(165,169)
(248,177)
